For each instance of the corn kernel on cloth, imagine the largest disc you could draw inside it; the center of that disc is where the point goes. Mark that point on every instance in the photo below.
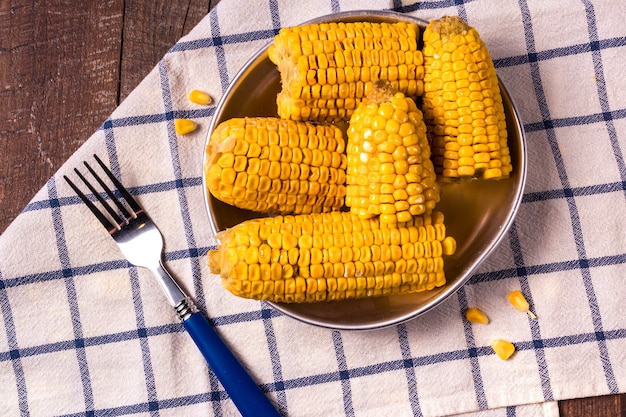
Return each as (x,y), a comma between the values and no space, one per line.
(84,334)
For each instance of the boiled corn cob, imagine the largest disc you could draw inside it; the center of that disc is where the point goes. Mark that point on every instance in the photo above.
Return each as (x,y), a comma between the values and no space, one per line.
(330,256)
(390,173)
(327,68)
(277,166)
(462,103)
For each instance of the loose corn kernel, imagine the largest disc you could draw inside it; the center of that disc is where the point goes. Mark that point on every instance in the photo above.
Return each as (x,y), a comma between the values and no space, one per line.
(476,315)
(327,69)
(504,349)
(353,257)
(200,97)
(517,299)
(184,126)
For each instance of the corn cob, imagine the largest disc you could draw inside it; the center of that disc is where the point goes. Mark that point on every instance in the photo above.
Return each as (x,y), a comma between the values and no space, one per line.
(327,68)
(389,168)
(462,103)
(277,166)
(330,256)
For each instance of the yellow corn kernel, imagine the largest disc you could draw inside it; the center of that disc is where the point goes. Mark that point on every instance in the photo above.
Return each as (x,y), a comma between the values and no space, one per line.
(354,257)
(448,245)
(504,349)
(278,166)
(517,300)
(200,97)
(462,102)
(476,315)
(327,69)
(184,126)
(389,171)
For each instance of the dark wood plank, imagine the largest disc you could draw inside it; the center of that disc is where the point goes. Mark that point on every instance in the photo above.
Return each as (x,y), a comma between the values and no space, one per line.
(65,66)
(604,406)
(59,66)
(150,29)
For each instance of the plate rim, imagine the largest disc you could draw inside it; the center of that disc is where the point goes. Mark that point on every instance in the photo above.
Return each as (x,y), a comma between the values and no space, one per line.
(449,290)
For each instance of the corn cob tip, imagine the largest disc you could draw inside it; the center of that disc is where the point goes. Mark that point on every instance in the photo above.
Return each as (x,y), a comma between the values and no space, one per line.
(449,25)
(213,257)
(381,92)
(274,55)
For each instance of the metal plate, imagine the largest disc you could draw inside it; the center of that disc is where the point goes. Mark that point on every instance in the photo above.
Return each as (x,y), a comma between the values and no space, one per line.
(477,213)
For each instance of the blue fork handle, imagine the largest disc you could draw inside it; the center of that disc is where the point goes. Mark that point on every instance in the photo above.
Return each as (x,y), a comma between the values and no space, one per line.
(245,393)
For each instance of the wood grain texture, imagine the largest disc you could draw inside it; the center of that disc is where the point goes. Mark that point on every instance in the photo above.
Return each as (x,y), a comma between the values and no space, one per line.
(150,29)
(66,65)
(59,70)
(604,406)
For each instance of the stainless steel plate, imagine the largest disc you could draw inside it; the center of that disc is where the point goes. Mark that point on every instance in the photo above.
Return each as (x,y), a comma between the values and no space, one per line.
(477,213)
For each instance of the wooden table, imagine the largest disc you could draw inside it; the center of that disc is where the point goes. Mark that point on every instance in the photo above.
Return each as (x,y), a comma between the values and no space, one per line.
(66,65)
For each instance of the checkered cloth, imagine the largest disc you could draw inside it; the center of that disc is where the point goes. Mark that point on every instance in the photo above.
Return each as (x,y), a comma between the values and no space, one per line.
(82,333)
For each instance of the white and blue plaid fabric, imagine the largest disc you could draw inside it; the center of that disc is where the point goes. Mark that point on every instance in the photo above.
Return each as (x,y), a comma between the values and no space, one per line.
(84,334)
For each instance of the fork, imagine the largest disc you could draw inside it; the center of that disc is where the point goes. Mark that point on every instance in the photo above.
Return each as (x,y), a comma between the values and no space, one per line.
(141,243)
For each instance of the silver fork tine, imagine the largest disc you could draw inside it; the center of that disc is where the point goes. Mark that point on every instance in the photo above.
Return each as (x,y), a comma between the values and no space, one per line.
(114,199)
(127,196)
(116,217)
(101,217)
(125,216)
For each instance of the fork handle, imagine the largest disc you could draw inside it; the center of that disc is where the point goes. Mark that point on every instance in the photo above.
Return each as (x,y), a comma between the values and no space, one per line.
(245,393)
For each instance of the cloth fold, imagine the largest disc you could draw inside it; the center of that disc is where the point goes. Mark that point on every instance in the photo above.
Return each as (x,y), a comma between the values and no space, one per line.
(82,333)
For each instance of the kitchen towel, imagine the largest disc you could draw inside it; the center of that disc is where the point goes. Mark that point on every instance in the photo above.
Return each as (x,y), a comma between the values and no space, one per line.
(84,334)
